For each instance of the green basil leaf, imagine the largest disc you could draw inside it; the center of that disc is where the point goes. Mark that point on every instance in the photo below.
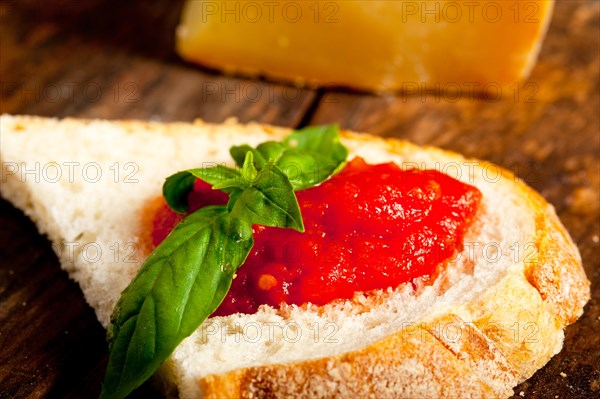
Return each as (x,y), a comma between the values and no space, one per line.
(306,169)
(228,186)
(217,174)
(307,156)
(233,197)
(249,171)
(270,201)
(324,140)
(271,149)
(315,153)
(182,282)
(177,187)
(247,175)
(238,153)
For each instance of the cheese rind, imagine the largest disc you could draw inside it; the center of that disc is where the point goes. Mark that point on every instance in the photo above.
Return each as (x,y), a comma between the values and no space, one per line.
(372,45)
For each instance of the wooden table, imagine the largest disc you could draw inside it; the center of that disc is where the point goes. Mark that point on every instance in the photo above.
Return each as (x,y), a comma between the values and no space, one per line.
(115,59)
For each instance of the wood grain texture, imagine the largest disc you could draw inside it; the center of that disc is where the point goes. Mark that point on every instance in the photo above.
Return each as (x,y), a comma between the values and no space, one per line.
(115,59)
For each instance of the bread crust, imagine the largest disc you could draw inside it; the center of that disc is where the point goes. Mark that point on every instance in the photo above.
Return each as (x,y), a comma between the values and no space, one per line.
(481,348)
(505,336)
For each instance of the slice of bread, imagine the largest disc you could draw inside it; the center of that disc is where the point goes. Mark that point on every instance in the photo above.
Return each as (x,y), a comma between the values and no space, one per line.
(494,317)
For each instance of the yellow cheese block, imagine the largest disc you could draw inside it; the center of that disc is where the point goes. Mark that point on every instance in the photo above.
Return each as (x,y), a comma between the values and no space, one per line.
(373,45)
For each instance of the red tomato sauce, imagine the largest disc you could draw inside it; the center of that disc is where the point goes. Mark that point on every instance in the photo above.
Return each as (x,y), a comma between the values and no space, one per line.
(369,227)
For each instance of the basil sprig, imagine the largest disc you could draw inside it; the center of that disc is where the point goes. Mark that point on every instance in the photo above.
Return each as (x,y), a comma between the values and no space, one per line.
(307,156)
(188,275)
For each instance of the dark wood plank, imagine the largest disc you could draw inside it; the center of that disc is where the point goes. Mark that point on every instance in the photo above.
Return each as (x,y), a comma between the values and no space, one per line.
(49,337)
(549,135)
(105,59)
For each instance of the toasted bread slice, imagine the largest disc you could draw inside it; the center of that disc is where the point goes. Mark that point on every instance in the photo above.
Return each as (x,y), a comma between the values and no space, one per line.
(489,321)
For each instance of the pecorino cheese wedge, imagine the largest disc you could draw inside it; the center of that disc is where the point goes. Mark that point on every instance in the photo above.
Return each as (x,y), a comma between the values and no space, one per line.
(88,185)
(436,45)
